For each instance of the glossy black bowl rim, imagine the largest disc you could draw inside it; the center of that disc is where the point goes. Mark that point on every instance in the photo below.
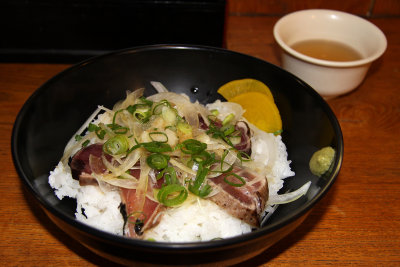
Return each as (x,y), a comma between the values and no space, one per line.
(190,246)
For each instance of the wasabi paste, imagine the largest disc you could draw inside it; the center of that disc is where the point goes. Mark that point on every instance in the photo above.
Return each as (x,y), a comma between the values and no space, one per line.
(322,160)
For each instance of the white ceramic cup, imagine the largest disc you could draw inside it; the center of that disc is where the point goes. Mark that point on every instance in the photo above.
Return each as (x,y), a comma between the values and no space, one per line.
(329,78)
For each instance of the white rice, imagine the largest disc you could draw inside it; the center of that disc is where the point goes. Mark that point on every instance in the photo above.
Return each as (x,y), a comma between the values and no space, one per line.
(199,221)
(203,220)
(96,207)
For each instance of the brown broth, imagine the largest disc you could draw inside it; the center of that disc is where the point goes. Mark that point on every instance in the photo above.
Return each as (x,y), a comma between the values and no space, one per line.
(327,50)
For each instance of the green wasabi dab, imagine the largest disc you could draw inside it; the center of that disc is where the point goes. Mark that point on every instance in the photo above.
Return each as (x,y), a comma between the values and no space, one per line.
(322,160)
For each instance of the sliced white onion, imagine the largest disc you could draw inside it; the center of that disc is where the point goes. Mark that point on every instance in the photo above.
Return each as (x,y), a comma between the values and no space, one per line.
(170,97)
(141,190)
(128,163)
(111,180)
(289,197)
(182,167)
(189,112)
(160,88)
(129,100)
(226,108)
(72,141)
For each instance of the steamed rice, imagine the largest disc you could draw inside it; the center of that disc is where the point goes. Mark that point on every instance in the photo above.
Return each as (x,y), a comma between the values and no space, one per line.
(196,220)
(203,220)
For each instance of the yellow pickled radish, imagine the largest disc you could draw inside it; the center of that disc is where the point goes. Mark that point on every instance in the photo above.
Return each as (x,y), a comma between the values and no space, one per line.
(237,87)
(260,111)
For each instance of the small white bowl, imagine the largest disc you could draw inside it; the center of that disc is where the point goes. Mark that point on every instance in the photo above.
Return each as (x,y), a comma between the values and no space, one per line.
(329,78)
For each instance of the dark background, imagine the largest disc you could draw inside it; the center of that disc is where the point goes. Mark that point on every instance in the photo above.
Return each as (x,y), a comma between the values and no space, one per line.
(71,30)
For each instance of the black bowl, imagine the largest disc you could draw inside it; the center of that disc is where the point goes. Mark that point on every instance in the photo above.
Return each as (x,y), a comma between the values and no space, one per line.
(57,109)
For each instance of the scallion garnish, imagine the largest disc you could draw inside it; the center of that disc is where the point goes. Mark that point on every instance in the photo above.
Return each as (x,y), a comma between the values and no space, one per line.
(192,146)
(214,112)
(116,145)
(220,170)
(115,115)
(243,156)
(169,175)
(118,129)
(100,133)
(228,119)
(92,127)
(172,195)
(222,132)
(84,144)
(242,181)
(162,137)
(227,129)
(156,147)
(157,161)
(97,129)
(184,127)
(157,110)
(204,158)
(142,110)
(199,186)
(142,113)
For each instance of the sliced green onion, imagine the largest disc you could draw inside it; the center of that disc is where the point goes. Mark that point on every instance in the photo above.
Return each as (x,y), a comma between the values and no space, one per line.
(115,115)
(92,127)
(214,112)
(169,176)
(157,147)
(243,156)
(242,181)
(142,113)
(221,133)
(97,129)
(130,109)
(116,145)
(222,164)
(142,110)
(192,146)
(157,161)
(204,158)
(84,144)
(157,110)
(184,127)
(118,129)
(100,133)
(145,101)
(228,119)
(78,137)
(199,187)
(172,195)
(227,129)
(164,137)
(134,147)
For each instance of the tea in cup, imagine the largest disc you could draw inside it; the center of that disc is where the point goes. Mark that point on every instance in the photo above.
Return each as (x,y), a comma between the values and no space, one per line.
(330,50)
